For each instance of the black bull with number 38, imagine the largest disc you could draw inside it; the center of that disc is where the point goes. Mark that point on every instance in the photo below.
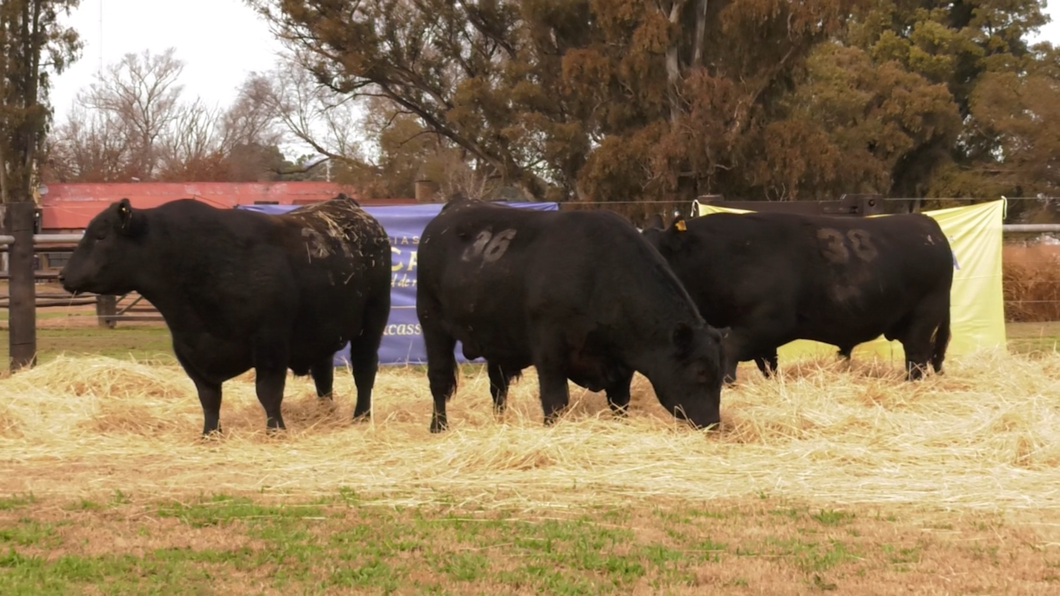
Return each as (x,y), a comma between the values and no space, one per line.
(579,296)
(772,278)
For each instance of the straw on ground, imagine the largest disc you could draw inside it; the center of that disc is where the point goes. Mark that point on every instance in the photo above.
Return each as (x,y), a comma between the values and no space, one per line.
(984,435)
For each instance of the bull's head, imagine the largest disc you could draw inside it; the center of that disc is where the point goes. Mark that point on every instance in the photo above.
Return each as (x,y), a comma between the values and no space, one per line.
(689,385)
(104,261)
(665,240)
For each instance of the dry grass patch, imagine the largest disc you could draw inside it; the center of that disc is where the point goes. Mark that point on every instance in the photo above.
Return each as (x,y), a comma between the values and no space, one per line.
(984,435)
(1031,281)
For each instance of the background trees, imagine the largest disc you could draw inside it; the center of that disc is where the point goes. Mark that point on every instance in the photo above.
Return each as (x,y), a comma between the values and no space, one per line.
(134,122)
(667,99)
(612,100)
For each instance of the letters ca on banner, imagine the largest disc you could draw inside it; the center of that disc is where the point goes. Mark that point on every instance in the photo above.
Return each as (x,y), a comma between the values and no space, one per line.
(403,250)
(404,224)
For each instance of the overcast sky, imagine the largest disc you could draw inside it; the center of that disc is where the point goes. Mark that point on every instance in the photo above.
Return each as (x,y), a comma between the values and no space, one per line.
(219,41)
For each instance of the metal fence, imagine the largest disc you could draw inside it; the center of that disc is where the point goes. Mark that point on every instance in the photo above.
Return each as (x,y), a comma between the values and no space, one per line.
(54,250)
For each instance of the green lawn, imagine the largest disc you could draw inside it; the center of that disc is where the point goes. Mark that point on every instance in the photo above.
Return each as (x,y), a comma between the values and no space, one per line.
(142,342)
(126,544)
(1033,337)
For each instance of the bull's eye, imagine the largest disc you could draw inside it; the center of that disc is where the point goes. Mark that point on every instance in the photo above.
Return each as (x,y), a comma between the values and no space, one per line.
(100,235)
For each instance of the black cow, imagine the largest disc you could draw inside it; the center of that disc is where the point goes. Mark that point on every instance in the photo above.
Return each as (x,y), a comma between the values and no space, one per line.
(579,296)
(241,289)
(772,278)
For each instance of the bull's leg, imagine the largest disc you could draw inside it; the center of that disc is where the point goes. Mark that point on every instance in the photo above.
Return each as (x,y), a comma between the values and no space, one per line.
(555,395)
(500,380)
(737,348)
(550,362)
(917,347)
(270,368)
(618,394)
(364,351)
(767,363)
(365,365)
(210,398)
(441,373)
(918,342)
(364,362)
(269,385)
(324,378)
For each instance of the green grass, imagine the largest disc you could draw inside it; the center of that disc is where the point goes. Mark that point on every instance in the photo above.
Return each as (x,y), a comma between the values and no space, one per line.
(224,543)
(1033,337)
(141,342)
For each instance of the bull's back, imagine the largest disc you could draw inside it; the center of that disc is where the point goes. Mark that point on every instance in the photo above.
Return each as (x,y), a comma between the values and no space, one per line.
(311,270)
(491,273)
(473,277)
(846,280)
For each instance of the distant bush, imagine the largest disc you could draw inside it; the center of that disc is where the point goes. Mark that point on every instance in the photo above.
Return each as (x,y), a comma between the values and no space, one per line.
(1031,282)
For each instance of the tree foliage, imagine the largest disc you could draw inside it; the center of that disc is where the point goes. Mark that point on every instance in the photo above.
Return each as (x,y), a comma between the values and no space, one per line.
(666,99)
(33,46)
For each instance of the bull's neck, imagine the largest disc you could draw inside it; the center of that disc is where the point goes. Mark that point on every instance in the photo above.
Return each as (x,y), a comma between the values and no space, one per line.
(159,267)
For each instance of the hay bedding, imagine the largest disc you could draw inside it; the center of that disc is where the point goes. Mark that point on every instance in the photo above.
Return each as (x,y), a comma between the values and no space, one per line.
(985,435)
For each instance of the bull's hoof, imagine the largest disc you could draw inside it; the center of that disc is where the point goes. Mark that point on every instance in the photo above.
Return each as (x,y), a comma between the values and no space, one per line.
(211,435)
(362,417)
(437,427)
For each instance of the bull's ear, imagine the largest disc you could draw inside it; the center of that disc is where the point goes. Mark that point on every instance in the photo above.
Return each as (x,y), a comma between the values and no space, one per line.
(125,216)
(684,337)
(679,224)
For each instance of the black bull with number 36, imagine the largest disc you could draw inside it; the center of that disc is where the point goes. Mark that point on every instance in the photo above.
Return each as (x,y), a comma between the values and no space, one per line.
(579,296)
(772,278)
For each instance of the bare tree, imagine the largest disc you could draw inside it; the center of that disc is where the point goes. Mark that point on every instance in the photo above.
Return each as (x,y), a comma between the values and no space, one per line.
(89,147)
(312,113)
(251,120)
(189,146)
(140,91)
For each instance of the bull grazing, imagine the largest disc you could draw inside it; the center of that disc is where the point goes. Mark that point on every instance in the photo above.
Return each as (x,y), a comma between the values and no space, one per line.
(772,278)
(579,296)
(240,289)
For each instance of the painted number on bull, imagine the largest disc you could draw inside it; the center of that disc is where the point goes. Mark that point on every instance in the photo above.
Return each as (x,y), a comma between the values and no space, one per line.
(835,248)
(491,246)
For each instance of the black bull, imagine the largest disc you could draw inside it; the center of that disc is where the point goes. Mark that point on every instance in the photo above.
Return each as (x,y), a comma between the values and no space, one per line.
(579,296)
(773,278)
(240,289)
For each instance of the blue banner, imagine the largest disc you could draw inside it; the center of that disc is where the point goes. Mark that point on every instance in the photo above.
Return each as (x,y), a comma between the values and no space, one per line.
(402,339)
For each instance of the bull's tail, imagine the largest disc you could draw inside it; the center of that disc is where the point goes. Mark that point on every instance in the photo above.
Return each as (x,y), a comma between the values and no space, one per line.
(942,341)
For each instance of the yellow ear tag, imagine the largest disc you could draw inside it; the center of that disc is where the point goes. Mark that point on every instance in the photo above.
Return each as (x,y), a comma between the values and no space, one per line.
(680,226)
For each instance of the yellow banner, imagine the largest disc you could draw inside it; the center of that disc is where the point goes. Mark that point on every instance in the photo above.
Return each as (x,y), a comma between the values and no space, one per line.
(977,311)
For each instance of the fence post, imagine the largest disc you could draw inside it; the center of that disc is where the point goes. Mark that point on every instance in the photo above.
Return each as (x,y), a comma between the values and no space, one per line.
(22,304)
(106,306)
